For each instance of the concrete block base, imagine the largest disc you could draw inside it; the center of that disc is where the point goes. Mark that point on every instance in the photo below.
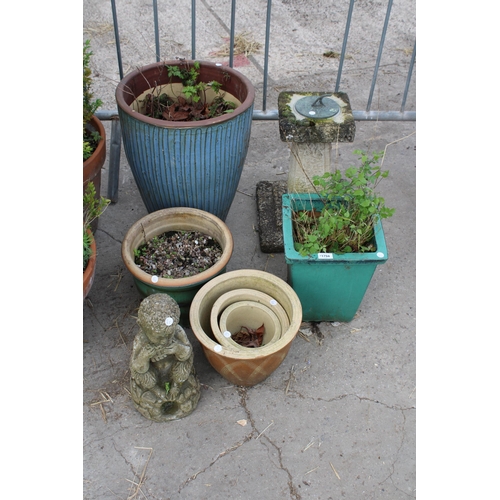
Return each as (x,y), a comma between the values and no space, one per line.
(269,209)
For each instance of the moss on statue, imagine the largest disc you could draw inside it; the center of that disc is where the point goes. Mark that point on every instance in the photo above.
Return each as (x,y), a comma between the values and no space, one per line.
(163,380)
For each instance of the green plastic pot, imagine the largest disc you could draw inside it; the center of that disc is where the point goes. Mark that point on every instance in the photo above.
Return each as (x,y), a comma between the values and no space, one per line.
(330,287)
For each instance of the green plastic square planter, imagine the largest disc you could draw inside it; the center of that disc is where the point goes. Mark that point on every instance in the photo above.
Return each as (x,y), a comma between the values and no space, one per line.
(330,287)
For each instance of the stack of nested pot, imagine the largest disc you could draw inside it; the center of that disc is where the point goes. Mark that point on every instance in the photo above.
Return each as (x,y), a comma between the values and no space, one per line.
(252,300)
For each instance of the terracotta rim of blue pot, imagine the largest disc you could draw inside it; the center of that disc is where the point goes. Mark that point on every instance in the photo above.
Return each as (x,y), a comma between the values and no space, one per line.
(138,81)
(177,219)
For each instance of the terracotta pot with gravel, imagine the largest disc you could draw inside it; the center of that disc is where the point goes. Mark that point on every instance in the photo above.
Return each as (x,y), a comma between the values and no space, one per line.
(176,219)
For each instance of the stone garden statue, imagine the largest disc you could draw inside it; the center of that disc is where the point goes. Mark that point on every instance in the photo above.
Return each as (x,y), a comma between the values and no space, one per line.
(163,381)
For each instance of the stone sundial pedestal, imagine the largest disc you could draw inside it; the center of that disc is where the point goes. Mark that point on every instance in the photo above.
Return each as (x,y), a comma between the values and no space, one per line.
(311,122)
(163,381)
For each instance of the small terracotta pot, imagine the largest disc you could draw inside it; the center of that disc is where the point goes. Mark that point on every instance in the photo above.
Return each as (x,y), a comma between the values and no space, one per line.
(245,367)
(92,167)
(244,294)
(182,290)
(246,313)
(89,273)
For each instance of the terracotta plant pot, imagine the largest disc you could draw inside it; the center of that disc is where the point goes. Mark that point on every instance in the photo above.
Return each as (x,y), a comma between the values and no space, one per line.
(245,367)
(194,164)
(245,294)
(89,273)
(246,313)
(92,166)
(182,290)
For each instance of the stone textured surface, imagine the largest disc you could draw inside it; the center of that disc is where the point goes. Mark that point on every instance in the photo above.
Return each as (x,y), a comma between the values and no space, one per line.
(295,127)
(306,161)
(163,382)
(268,198)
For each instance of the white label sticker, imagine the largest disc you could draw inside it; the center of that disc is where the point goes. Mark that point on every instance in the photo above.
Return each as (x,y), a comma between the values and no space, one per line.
(169,321)
(154,279)
(227,334)
(218,348)
(273,302)
(380,255)
(325,256)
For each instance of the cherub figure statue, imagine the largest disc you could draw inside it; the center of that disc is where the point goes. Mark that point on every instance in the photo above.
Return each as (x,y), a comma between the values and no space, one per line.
(163,381)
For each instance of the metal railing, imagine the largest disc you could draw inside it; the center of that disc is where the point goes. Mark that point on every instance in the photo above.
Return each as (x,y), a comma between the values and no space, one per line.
(258,114)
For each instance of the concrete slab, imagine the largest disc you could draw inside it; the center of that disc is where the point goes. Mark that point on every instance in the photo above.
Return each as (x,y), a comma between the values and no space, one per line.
(337,418)
(268,199)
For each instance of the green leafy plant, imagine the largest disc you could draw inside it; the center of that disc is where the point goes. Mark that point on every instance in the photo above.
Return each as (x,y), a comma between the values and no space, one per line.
(87,249)
(93,207)
(90,105)
(350,209)
(193,104)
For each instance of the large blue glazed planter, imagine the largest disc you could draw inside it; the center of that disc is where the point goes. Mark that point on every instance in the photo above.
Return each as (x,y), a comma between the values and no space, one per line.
(195,164)
(330,287)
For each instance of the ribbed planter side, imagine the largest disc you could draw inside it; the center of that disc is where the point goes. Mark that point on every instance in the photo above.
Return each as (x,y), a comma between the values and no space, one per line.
(186,164)
(197,168)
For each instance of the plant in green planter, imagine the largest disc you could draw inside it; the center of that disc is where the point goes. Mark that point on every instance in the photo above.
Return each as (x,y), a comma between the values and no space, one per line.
(334,239)
(186,130)
(93,207)
(350,209)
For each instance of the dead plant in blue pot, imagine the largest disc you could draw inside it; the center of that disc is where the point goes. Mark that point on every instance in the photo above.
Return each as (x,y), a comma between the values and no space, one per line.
(186,129)
(334,239)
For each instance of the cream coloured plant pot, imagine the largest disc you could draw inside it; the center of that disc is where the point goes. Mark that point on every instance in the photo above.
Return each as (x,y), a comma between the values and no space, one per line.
(229,298)
(247,314)
(245,367)
(233,296)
